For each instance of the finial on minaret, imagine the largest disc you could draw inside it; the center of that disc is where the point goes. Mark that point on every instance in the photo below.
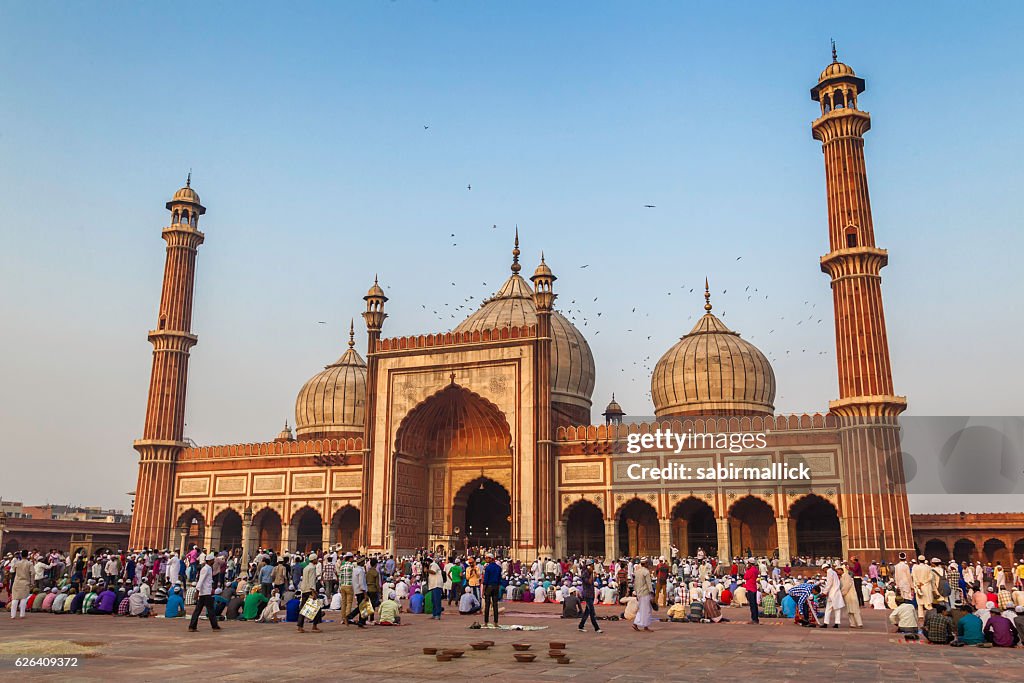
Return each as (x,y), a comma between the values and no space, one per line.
(835,56)
(707,296)
(351,333)
(188,179)
(515,254)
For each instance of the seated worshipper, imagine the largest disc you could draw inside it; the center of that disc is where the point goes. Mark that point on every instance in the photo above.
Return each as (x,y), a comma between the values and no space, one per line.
(527,595)
(235,606)
(938,627)
(159,596)
(631,608)
(88,601)
(1018,620)
(768,606)
(877,598)
(608,594)
(335,604)
(32,600)
(138,605)
(73,605)
(402,589)
(540,594)
(725,597)
(220,603)
(969,627)
(58,602)
(469,603)
(254,603)
(269,613)
(104,603)
(175,604)
(696,611)
(788,606)
(712,611)
(677,612)
(904,617)
(571,605)
(416,603)
(388,611)
(124,607)
(292,606)
(1000,631)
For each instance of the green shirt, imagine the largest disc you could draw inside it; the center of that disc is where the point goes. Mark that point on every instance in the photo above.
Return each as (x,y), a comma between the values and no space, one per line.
(254,604)
(456,573)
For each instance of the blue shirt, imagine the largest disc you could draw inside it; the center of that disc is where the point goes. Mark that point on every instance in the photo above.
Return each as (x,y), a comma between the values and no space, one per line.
(292,609)
(175,606)
(788,607)
(265,573)
(968,629)
(416,603)
(492,574)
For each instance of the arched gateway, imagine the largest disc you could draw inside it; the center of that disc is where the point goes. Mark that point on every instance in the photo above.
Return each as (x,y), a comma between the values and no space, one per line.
(453,473)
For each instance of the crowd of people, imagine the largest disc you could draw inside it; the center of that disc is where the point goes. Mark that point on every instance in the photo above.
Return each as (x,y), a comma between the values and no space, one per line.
(942,602)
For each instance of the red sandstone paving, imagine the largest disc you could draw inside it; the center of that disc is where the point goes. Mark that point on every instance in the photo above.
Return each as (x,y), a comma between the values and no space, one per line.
(152,649)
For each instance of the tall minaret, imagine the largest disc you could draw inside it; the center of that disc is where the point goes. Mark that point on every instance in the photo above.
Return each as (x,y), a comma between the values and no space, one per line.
(374,317)
(165,411)
(545,511)
(875,501)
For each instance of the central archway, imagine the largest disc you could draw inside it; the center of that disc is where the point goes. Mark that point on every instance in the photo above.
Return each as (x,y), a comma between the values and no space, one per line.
(454,428)
(817,527)
(752,528)
(694,528)
(308,529)
(482,511)
(193,529)
(229,524)
(267,524)
(584,529)
(639,533)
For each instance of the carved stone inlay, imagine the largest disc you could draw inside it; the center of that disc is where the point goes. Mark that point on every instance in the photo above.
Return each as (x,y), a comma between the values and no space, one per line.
(268,483)
(194,486)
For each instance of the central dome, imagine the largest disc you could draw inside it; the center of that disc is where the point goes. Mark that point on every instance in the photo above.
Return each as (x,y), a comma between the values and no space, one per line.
(572,363)
(333,401)
(712,371)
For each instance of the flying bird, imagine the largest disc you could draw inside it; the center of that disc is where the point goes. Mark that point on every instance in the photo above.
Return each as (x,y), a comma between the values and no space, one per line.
(469,186)
(649,206)
(426,127)
(585,266)
(321,322)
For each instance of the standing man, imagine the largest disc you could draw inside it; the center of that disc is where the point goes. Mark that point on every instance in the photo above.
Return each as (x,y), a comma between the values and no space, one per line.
(661,573)
(434,582)
(926,584)
(587,591)
(359,589)
(345,585)
(750,585)
(858,577)
(307,589)
(901,573)
(373,584)
(492,588)
(204,587)
(644,590)
(21,584)
(833,590)
(848,585)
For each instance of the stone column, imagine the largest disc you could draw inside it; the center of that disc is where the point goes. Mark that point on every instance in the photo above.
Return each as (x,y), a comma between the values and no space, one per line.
(611,540)
(248,541)
(327,537)
(684,538)
(782,525)
(211,539)
(286,538)
(561,540)
(665,526)
(724,548)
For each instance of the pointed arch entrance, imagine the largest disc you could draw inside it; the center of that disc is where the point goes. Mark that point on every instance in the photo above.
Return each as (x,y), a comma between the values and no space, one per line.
(307,530)
(345,528)
(639,533)
(482,511)
(267,525)
(191,529)
(752,528)
(815,522)
(584,529)
(964,550)
(694,528)
(454,429)
(229,527)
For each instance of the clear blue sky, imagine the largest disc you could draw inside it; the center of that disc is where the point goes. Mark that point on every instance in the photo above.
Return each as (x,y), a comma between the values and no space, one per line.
(304,127)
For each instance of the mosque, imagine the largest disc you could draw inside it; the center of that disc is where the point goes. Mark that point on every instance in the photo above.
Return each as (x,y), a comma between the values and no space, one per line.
(484,435)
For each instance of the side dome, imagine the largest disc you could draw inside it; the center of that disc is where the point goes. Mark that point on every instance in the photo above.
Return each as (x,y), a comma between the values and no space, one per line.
(333,401)
(573,372)
(712,371)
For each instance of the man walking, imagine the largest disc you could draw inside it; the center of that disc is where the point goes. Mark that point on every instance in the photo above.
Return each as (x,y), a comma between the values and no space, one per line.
(643,589)
(345,585)
(434,582)
(587,586)
(204,586)
(359,589)
(307,589)
(492,588)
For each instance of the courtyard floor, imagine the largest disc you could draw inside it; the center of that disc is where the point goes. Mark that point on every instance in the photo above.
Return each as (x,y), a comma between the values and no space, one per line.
(110,648)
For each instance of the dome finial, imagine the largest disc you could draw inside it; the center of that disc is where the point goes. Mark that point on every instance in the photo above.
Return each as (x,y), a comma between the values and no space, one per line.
(351,333)
(515,254)
(707,296)
(835,56)
(188,179)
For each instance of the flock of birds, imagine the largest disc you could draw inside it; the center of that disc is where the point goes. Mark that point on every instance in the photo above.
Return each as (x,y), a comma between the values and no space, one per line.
(579,315)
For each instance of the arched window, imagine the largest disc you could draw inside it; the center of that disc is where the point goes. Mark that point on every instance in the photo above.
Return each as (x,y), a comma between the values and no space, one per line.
(163,321)
(175,218)
(851,237)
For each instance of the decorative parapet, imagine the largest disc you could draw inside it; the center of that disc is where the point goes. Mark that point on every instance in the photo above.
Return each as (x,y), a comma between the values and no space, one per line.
(243,450)
(425,341)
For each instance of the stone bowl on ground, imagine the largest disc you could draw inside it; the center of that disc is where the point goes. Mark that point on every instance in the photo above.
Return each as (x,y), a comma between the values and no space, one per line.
(453,653)
(430,650)
(525,657)
(489,642)
(521,647)
(443,657)
(479,646)
(564,660)
(555,645)
(555,653)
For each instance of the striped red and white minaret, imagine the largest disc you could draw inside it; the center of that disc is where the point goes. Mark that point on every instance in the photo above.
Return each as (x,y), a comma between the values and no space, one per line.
(163,434)
(875,490)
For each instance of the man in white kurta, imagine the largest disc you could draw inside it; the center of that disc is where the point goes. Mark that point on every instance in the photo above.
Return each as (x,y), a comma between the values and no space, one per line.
(926,584)
(901,573)
(835,606)
(644,590)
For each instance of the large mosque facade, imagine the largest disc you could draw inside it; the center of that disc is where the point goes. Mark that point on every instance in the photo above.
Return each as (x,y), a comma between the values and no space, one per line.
(484,436)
